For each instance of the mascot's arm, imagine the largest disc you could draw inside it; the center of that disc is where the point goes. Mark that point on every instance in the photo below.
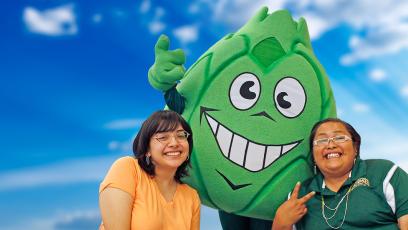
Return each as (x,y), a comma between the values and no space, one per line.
(166,71)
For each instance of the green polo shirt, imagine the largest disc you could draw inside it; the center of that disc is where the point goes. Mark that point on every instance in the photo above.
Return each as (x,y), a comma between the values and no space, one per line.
(376,205)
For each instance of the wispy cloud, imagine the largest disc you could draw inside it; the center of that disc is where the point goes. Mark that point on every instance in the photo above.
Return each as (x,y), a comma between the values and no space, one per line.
(360,107)
(377,75)
(404,91)
(64,172)
(156,25)
(79,220)
(120,146)
(145,6)
(186,34)
(52,22)
(124,124)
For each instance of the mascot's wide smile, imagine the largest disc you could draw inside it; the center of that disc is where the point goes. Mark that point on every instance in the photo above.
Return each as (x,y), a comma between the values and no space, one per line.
(244,152)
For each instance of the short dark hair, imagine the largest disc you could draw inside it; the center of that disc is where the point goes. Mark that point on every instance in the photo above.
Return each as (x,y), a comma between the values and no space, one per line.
(161,121)
(355,137)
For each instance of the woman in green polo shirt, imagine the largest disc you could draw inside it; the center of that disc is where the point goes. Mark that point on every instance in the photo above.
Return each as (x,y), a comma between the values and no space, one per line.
(346,192)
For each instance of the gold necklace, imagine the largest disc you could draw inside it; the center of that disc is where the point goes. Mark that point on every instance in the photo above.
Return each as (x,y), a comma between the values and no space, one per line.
(357,183)
(324,206)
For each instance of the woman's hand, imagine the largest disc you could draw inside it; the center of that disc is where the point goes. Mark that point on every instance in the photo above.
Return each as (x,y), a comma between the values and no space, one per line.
(403,222)
(292,210)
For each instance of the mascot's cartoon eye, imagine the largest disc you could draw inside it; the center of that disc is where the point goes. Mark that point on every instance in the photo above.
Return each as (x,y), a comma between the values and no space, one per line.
(290,97)
(244,91)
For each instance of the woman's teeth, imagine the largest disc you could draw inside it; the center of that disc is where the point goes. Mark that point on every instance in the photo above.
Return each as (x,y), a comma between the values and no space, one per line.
(332,155)
(172,153)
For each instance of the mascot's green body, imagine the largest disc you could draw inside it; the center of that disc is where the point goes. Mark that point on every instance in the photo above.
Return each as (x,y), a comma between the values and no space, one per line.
(251,101)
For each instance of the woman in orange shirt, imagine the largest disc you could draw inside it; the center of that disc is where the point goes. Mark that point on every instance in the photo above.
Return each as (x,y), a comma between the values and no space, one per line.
(146,191)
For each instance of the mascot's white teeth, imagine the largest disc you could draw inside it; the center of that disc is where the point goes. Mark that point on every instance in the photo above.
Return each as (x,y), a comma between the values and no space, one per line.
(241,151)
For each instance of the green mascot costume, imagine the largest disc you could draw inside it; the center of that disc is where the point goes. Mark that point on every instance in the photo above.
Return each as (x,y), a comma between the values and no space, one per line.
(251,100)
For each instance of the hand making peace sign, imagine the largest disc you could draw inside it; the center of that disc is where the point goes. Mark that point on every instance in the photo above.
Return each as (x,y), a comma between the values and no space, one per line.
(292,210)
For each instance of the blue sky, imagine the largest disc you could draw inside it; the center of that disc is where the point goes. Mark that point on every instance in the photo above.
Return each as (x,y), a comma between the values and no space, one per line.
(74,90)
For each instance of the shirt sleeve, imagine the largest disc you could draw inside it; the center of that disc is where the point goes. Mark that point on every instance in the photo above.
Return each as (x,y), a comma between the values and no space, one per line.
(399,182)
(195,220)
(123,175)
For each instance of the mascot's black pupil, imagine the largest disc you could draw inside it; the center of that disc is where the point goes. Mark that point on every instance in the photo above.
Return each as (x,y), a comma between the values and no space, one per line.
(245,92)
(282,102)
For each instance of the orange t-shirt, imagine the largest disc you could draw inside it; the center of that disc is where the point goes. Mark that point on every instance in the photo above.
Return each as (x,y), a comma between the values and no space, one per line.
(150,209)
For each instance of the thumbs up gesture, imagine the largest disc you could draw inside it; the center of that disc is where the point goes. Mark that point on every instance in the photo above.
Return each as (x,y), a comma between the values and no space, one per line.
(168,65)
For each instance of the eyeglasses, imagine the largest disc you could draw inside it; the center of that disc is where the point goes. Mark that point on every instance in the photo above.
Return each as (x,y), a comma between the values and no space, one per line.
(165,138)
(337,139)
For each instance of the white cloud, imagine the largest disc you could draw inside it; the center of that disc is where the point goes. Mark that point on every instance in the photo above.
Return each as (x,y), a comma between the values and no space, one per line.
(236,13)
(194,7)
(145,6)
(156,25)
(52,22)
(377,75)
(316,25)
(124,124)
(186,34)
(121,146)
(404,91)
(78,220)
(360,108)
(64,172)
(381,40)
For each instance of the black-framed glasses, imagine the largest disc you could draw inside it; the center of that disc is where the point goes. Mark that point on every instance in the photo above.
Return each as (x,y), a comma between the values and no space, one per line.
(165,138)
(337,139)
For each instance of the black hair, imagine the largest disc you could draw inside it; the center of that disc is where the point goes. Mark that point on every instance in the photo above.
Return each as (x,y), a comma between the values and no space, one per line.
(355,137)
(161,121)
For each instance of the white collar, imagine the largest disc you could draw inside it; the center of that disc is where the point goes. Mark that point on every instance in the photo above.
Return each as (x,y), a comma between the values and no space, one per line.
(324,183)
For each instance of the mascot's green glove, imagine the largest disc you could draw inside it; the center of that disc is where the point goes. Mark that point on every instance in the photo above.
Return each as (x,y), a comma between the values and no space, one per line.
(168,67)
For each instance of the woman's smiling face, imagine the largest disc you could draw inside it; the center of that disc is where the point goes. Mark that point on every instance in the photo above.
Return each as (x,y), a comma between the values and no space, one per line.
(334,159)
(171,154)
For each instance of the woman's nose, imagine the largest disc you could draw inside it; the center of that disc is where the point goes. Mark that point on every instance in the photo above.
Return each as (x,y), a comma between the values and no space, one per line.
(173,141)
(331,144)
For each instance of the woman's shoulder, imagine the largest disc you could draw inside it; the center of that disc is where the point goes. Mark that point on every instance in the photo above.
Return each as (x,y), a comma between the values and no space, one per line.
(126,161)
(379,169)
(378,165)
(378,162)
(126,164)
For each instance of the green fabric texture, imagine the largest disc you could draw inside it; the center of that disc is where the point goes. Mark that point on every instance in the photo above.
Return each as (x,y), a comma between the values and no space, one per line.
(251,100)
(366,205)
(168,66)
